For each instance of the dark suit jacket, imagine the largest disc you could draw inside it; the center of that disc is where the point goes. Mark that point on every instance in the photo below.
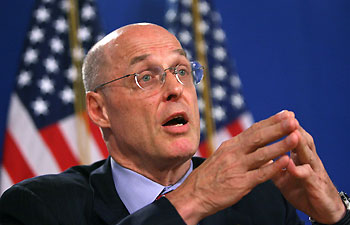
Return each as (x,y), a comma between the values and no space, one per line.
(86,195)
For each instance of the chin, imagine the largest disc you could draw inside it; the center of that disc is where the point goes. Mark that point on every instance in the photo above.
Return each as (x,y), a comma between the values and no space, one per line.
(182,148)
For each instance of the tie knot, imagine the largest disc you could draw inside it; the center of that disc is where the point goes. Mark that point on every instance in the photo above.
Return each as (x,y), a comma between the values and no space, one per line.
(163,193)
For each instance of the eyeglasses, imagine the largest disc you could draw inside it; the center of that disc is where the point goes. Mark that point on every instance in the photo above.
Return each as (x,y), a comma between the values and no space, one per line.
(154,78)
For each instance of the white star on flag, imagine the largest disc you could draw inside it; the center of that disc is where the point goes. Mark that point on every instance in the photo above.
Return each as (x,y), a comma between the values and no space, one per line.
(24,78)
(61,25)
(237,100)
(56,45)
(67,95)
(42,14)
(219,72)
(186,18)
(87,13)
(185,37)
(219,35)
(46,85)
(40,107)
(235,81)
(204,7)
(218,92)
(36,35)
(51,65)
(219,113)
(170,15)
(219,53)
(84,34)
(72,73)
(30,56)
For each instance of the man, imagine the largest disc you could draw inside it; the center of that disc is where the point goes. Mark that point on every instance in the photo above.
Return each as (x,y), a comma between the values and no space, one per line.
(140,91)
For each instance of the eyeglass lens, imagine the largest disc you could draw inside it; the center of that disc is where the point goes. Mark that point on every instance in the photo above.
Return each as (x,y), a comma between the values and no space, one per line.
(155,77)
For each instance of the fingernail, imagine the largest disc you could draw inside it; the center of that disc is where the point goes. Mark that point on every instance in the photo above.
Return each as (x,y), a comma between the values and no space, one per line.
(283,114)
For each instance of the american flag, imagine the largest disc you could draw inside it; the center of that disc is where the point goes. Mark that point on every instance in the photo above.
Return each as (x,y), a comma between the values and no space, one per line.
(223,110)
(48,129)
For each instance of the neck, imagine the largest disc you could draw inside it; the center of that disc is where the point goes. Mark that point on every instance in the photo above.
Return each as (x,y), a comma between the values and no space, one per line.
(166,174)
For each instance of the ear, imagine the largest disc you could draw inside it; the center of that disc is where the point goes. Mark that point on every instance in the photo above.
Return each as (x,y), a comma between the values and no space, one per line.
(96,109)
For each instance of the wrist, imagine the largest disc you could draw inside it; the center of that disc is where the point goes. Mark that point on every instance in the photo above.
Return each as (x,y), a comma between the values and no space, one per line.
(345,218)
(344,221)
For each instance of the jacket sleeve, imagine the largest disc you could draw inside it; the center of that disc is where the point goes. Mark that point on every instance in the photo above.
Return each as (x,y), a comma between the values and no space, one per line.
(159,212)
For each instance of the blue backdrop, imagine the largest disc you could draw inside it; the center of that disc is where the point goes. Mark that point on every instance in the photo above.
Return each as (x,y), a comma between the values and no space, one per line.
(291,54)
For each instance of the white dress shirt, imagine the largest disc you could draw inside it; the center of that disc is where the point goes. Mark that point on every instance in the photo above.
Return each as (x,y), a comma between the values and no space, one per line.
(136,190)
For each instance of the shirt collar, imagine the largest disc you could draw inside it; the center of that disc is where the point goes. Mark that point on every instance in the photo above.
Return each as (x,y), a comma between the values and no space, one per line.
(136,190)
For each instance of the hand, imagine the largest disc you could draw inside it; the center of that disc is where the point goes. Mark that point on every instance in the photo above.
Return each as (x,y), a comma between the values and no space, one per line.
(306,184)
(236,168)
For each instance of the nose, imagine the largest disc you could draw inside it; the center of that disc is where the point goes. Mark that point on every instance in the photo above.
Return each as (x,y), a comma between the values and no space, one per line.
(173,89)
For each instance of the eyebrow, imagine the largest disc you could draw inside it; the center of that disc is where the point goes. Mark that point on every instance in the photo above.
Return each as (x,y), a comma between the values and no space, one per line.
(138,59)
(181,52)
(143,57)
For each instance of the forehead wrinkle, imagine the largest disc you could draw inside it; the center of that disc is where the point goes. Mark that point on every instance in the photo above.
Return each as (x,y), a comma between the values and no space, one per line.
(138,59)
(129,45)
(141,58)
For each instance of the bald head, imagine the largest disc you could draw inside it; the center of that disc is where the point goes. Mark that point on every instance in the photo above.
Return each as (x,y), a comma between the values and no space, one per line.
(114,51)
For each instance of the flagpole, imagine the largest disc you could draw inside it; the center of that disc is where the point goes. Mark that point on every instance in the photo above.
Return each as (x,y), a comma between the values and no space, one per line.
(202,58)
(79,103)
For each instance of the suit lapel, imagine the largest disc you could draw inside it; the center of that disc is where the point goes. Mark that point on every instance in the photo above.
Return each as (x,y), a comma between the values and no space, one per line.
(107,203)
(197,161)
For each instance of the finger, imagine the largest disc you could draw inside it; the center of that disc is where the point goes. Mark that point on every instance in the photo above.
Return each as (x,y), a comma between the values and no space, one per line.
(265,173)
(304,153)
(277,118)
(308,138)
(264,155)
(302,171)
(264,132)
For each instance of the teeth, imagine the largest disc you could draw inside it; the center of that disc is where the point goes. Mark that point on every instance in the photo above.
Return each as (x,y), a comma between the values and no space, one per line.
(177,125)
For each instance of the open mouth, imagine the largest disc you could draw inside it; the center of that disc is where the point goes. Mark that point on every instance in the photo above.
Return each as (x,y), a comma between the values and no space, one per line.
(176,121)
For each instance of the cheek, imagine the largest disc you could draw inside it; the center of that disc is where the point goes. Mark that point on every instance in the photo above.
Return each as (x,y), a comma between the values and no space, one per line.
(121,113)
(138,114)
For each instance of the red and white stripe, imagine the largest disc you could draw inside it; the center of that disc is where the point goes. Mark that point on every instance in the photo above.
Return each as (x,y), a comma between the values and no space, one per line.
(30,152)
